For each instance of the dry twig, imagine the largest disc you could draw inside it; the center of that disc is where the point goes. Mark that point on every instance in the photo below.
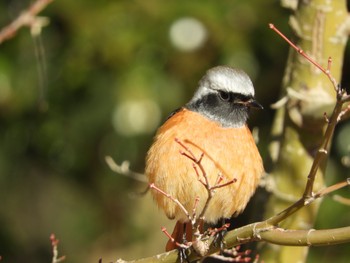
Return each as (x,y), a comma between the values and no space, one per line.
(322,153)
(200,242)
(124,169)
(54,244)
(268,229)
(26,18)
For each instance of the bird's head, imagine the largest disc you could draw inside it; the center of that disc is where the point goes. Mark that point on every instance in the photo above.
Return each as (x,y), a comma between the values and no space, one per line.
(224,95)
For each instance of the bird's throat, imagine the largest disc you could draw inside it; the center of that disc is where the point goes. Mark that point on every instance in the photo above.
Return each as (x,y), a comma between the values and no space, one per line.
(229,115)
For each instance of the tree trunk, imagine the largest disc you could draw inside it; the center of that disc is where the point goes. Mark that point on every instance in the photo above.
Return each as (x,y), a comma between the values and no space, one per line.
(321,30)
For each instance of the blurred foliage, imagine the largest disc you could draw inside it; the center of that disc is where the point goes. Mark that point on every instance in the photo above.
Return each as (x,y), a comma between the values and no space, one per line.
(57,124)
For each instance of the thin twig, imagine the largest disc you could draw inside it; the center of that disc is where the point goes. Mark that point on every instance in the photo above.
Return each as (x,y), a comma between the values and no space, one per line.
(322,153)
(179,245)
(201,173)
(224,184)
(332,188)
(269,234)
(26,18)
(274,220)
(124,169)
(307,57)
(194,210)
(54,244)
(181,206)
(214,231)
(343,113)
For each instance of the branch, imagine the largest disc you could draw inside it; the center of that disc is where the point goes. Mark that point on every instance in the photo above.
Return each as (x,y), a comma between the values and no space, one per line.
(327,71)
(26,18)
(124,169)
(310,237)
(197,162)
(176,201)
(259,232)
(54,244)
(264,231)
(274,220)
(322,153)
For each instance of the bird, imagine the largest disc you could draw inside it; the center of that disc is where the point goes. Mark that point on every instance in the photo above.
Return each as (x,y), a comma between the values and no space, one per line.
(213,125)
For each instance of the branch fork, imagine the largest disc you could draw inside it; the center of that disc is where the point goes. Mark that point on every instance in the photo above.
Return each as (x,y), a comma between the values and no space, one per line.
(341,97)
(200,243)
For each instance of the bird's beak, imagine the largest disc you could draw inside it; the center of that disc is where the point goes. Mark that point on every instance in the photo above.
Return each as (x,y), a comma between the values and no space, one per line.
(252,103)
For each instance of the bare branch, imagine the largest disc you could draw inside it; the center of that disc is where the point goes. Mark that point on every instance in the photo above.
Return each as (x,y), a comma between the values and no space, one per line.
(124,169)
(274,220)
(54,244)
(333,188)
(262,232)
(338,112)
(306,56)
(184,246)
(26,18)
(309,237)
(152,186)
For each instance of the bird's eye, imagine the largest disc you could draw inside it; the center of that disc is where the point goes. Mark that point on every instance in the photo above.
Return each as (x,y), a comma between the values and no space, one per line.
(224,96)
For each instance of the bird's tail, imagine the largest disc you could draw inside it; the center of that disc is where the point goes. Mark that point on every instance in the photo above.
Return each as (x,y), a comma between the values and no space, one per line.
(181,232)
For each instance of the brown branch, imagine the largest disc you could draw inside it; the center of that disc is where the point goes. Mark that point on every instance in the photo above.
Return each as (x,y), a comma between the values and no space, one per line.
(274,220)
(307,57)
(214,231)
(331,123)
(224,184)
(332,188)
(54,244)
(176,201)
(179,245)
(197,162)
(234,255)
(267,230)
(26,18)
(261,232)
(298,49)
(322,153)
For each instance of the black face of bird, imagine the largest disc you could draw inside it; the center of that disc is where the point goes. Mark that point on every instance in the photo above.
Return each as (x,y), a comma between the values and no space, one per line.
(224,95)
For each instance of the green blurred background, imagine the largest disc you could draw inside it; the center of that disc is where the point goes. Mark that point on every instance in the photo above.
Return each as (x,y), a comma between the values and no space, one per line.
(98,81)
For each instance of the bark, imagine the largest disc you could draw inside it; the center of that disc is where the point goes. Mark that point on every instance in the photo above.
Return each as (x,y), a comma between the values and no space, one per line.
(321,30)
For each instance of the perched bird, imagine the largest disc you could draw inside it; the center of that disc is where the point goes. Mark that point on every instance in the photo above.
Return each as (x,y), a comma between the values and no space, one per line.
(212,124)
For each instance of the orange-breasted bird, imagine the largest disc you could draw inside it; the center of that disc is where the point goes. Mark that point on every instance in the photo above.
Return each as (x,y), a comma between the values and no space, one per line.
(212,123)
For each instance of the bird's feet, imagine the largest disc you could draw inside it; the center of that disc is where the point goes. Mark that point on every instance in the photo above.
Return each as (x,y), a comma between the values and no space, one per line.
(219,234)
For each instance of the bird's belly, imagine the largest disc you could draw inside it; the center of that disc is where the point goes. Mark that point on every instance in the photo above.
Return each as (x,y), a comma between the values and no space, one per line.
(230,153)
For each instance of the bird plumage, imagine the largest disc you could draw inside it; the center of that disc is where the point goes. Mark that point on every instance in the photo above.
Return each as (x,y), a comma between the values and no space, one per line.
(228,151)
(212,123)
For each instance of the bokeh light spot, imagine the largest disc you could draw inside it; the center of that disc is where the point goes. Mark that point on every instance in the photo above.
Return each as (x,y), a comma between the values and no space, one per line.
(136,117)
(187,34)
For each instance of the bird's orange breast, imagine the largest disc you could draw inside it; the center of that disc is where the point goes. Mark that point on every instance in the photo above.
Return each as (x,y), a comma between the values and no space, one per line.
(228,151)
